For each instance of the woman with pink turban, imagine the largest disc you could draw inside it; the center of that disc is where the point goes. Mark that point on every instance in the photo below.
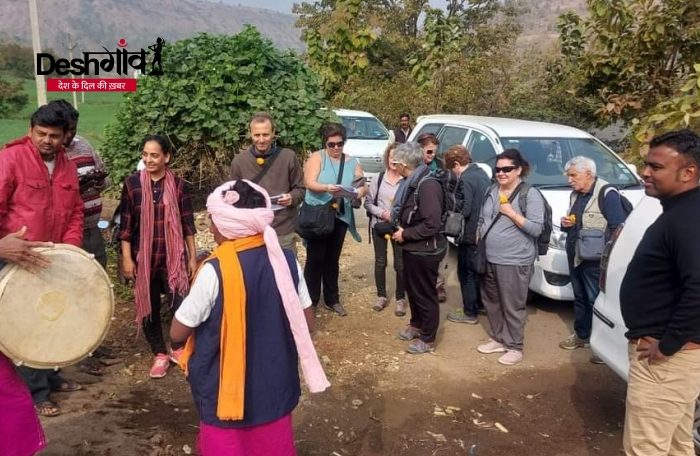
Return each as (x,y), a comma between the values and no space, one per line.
(246,331)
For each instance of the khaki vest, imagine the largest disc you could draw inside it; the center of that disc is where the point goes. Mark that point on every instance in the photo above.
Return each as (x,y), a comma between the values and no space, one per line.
(592,217)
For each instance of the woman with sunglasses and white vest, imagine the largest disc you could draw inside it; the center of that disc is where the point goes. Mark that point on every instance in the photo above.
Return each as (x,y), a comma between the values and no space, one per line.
(510,235)
(322,172)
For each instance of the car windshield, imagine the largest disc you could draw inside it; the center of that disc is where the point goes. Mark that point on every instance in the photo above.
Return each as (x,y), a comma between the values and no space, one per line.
(364,128)
(547,157)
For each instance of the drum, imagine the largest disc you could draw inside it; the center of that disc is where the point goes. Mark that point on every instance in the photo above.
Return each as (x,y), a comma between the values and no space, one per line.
(58,316)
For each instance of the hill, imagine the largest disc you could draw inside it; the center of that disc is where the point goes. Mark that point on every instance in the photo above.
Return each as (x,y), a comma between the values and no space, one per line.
(96,23)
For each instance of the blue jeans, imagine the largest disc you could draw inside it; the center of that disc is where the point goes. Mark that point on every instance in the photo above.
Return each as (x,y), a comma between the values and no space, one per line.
(468,281)
(584,281)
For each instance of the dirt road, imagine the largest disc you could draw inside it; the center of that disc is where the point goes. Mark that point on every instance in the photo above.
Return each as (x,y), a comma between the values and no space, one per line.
(382,401)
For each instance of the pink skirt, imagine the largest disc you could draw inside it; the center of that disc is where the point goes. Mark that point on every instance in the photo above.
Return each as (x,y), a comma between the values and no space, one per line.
(20,429)
(275,438)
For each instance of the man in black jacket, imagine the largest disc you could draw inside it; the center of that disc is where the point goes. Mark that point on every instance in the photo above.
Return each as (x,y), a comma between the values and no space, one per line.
(475,183)
(402,133)
(660,303)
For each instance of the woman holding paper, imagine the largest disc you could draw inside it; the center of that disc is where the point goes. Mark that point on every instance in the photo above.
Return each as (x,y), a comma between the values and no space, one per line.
(331,174)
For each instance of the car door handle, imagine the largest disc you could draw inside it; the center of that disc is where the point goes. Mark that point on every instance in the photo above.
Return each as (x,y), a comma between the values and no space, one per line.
(603,318)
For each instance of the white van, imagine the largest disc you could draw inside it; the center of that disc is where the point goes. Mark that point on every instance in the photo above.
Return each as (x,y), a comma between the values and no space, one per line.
(367,138)
(547,147)
(608,335)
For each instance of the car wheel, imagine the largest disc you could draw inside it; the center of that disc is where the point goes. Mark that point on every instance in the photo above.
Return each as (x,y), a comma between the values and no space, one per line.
(696,427)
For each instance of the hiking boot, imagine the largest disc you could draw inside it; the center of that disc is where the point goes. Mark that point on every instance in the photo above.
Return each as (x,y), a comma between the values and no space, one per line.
(337,308)
(380,304)
(418,347)
(160,366)
(596,360)
(400,310)
(511,357)
(458,316)
(175,355)
(573,342)
(442,293)
(409,333)
(491,347)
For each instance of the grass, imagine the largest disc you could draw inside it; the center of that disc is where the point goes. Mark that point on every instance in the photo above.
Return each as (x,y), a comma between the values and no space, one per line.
(99,110)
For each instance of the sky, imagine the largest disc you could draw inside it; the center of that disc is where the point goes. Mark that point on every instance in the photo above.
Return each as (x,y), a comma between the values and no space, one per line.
(285,6)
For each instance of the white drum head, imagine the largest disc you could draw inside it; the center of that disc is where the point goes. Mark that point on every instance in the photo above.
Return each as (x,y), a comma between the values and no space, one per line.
(57,316)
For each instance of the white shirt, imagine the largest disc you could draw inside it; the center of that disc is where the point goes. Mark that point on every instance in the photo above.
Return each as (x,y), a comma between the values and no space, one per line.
(196,307)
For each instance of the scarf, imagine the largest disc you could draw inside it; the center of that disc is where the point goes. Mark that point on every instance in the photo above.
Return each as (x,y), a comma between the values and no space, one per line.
(249,228)
(174,244)
(402,191)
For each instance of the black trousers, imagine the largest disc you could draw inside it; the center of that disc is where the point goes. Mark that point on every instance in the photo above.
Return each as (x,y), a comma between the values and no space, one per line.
(420,274)
(323,265)
(152,325)
(380,260)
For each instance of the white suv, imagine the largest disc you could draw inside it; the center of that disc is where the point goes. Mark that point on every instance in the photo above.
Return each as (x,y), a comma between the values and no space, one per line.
(367,138)
(547,147)
(608,337)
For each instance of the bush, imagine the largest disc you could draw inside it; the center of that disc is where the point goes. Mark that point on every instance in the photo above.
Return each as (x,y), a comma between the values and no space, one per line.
(210,88)
(12,98)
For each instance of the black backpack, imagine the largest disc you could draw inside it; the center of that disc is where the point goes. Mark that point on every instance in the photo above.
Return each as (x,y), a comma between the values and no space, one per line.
(626,205)
(452,223)
(546,234)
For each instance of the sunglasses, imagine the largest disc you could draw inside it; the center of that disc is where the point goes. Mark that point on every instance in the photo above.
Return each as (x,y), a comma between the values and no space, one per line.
(504,169)
(429,152)
(333,145)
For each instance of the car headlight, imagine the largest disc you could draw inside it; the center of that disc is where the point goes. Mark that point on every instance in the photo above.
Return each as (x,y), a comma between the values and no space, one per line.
(558,239)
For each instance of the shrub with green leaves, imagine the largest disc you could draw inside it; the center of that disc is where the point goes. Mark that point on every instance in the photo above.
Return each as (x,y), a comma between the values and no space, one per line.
(210,88)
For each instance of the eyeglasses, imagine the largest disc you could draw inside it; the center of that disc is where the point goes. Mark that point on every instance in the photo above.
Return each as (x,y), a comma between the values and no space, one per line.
(504,169)
(429,151)
(395,163)
(334,145)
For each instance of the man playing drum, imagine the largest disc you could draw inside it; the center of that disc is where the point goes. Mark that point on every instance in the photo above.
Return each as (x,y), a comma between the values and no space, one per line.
(39,189)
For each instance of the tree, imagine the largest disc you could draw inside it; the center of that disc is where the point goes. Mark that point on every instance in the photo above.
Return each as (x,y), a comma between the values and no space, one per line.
(680,111)
(12,97)
(204,101)
(337,36)
(17,60)
(628,55)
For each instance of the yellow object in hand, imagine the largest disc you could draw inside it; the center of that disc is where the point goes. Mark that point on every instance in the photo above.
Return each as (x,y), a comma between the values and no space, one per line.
(260,161)
(572,217)
(503,199)
(387,237)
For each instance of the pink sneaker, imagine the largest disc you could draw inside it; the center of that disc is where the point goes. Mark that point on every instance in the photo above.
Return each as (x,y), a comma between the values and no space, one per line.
(160,366)
(175,355)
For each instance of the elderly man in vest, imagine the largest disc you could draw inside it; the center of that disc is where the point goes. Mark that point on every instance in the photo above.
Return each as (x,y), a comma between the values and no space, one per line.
(591,220)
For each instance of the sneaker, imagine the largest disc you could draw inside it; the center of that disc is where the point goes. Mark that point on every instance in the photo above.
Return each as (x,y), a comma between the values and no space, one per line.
(380,304)
(458,316)
(596,360)
(511,357)
(409,333)
(400,308)
(418,347)
(573,342)
(160,366)
(175,355)
(337,308)
(491,347)
(442,293)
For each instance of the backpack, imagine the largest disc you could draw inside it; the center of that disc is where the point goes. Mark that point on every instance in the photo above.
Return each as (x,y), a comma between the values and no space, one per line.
(626,204)
(452,220)
(546,234)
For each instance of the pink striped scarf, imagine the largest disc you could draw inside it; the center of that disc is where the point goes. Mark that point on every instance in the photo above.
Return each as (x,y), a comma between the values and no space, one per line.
(178,281)
(234,223)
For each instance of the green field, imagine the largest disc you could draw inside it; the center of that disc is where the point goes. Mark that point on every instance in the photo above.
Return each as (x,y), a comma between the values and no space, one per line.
(99,110)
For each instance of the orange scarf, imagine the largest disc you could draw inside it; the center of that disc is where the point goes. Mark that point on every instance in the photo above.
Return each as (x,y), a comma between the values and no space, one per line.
(232,347)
